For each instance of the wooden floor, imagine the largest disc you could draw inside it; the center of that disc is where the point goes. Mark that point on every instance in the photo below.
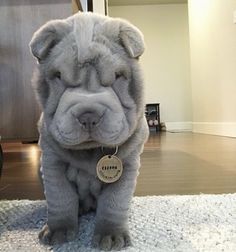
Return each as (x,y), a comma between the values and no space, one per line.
(172,163)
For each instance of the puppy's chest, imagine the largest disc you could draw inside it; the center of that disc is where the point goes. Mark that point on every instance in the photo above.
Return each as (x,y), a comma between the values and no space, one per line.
(82,172)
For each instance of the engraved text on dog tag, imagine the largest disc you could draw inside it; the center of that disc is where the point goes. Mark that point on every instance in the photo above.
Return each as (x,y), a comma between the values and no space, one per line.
(109,168)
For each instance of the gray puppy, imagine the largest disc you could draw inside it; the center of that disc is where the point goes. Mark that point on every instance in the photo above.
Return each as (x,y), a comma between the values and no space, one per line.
(90,89)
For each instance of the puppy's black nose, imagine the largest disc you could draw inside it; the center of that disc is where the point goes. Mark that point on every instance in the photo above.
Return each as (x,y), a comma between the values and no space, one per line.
(89,120)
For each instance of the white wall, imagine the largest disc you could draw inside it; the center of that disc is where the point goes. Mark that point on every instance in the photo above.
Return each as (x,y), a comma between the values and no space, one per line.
(166,59)
(213,66)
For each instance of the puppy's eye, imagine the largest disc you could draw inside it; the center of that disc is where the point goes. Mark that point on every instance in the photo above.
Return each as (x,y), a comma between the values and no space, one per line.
(118,75)
(57,75)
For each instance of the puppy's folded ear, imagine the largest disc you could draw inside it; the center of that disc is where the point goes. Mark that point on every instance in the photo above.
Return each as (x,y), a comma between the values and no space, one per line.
(126,34)
(47,37)
(132,39)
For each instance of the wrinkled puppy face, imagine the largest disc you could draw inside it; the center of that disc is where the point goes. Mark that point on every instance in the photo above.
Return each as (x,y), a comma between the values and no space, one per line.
(88,79)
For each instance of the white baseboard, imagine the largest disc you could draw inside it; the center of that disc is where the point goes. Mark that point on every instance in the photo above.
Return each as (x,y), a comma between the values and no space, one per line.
(215,128)
(178,126)
(212,128)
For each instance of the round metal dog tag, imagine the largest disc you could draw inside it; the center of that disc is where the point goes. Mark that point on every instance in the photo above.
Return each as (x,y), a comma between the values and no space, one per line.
(109,169)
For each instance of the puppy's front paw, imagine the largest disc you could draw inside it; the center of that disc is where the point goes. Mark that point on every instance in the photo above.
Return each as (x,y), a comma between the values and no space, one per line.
(111,238)
(58,236)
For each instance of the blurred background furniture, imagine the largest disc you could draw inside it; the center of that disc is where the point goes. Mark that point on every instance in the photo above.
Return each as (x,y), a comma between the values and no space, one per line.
(153,116)
(1,160)
(19,19)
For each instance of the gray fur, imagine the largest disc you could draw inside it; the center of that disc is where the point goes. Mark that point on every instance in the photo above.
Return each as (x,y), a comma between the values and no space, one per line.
(89,85)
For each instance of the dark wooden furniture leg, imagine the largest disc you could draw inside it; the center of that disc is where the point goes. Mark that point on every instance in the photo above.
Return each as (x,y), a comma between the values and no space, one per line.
(1,160)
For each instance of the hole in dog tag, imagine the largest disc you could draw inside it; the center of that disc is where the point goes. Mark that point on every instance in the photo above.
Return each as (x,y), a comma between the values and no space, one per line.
(109,169)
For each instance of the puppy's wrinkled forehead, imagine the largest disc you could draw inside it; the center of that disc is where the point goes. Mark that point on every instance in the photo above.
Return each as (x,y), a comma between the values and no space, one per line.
(65,45)
(86,49)
(83,31)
